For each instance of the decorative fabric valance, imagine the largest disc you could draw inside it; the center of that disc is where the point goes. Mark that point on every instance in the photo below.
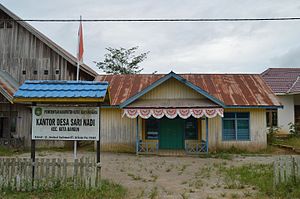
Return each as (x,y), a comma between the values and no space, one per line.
(172,113)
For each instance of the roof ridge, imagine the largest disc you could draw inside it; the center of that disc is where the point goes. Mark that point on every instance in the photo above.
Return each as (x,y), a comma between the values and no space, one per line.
(295,82)
(182,74)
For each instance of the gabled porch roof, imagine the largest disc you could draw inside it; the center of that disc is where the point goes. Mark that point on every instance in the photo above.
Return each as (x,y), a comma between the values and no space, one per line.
(164,79)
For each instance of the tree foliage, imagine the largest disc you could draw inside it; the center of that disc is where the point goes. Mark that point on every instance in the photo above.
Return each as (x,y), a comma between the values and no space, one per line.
(122,61)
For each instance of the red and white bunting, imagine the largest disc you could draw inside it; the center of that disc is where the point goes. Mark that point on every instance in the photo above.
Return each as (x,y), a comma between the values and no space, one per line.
(172,113)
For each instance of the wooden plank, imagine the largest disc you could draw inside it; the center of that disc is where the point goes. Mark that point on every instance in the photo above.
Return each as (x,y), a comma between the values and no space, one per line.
(86,177)
(81,171)
(59,169)
(18,176)
(65,170)
(276,171)
(47,174)
(75,173)
(37,173)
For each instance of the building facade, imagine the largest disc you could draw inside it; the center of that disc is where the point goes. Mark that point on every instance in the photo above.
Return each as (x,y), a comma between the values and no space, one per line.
(27,54)
(285,83)
(192,112)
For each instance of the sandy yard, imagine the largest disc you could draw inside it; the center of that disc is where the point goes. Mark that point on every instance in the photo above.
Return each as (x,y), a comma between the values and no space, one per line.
(174,177)
(169,177)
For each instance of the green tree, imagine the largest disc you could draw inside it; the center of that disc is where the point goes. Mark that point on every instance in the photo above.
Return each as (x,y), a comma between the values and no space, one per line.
(122,61)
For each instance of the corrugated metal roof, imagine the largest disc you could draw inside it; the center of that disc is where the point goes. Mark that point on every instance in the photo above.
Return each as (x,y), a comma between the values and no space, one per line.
(283,80)
(8,85)
(62,89)
(231,89)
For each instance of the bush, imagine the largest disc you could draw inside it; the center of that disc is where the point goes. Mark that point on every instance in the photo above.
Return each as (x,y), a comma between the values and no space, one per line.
(294,129)
(260,176)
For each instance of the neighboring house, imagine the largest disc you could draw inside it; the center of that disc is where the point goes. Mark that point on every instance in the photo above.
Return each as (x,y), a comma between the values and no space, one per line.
(195,112)
(27,54)
(285,83)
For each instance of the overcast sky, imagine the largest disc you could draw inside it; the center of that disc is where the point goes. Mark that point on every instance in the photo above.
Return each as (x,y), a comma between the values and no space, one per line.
(210,47)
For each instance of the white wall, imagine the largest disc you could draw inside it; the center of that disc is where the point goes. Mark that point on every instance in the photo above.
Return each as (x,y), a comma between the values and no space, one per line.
(297,99)
(287,114)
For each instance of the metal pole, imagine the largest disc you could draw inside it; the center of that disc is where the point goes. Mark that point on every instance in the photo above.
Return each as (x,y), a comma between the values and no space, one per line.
(137,136)
(206,121)
(77,79)
(98,141)
(33,151)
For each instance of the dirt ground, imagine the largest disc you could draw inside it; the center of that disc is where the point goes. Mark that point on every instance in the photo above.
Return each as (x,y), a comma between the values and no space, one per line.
(170,177)
(175,177)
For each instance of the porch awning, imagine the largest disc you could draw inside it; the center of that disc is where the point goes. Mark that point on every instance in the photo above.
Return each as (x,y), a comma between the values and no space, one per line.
(171,113)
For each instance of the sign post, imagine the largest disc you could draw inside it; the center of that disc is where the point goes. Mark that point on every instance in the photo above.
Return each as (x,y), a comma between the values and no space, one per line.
(33,154)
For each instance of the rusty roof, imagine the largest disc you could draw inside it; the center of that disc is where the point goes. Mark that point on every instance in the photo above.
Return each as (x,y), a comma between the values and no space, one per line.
(283,80)
(8,85)
(230,89)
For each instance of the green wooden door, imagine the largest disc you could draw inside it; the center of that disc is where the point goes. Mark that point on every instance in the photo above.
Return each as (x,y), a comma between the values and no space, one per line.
(171,133)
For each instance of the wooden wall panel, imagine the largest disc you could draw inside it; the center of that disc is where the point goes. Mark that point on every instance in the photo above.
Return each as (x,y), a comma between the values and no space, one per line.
(118,133)
(20,50)
(172,89)
(258,132)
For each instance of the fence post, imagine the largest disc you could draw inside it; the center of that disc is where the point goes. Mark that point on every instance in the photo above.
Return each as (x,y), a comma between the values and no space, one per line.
(75,173)
(275,170)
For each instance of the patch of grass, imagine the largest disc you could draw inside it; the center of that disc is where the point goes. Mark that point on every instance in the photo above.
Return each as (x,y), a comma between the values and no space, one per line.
(9,152)
(154,193)
(227,154)
(184,195)
(234,195)
(182,169)
(134,177)
(154,178)
(291,141)
(247,194)
(106,190)
(260,176)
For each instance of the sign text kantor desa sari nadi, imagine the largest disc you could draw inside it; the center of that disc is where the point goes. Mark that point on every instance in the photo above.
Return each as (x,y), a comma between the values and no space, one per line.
(65,123)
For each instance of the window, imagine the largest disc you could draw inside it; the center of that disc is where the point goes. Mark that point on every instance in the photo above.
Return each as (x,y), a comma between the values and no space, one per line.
(236,126)
(57,71)
(23,72)
(46,72)
(9,24)
(1,24)
(13,124)
(190,129)
(6,24)
(35,72)
(151,129)
(272,118)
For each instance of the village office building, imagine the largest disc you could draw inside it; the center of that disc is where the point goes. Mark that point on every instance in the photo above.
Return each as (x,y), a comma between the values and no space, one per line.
(193,112)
